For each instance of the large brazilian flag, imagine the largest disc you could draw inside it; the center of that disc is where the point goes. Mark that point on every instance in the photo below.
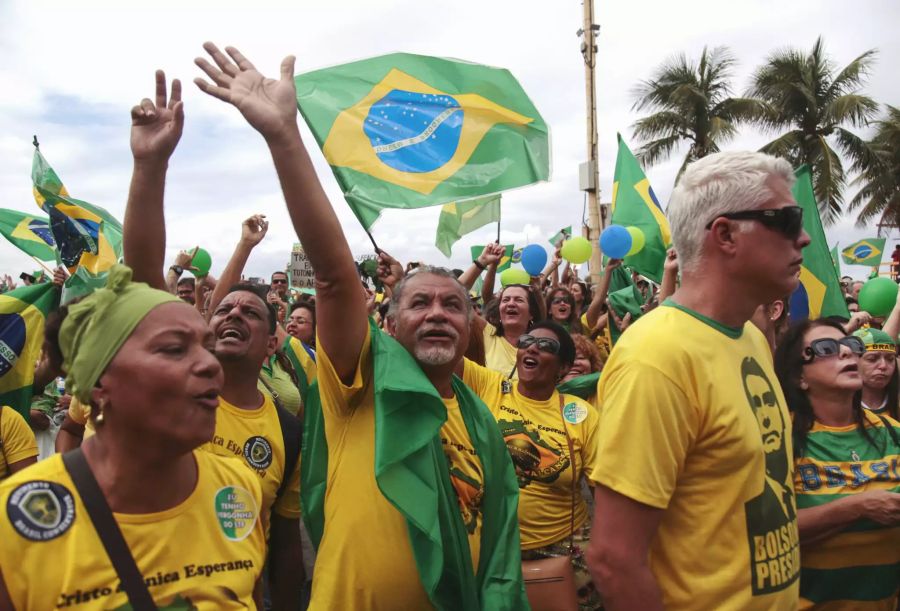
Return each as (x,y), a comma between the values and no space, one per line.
(409,131)
(22,316)
(29,233)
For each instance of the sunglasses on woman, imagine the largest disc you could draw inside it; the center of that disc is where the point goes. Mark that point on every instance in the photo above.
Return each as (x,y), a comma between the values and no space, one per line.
(787,221)
(544,344)
(559,300)
(826,347)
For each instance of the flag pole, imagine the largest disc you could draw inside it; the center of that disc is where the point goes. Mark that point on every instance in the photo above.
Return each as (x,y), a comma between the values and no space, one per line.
(41,263)
(371,239)
(498,226)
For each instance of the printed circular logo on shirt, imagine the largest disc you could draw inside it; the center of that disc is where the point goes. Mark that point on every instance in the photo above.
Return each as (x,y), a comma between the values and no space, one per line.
(574,412)
(258,452)
(236,512)
(40,510)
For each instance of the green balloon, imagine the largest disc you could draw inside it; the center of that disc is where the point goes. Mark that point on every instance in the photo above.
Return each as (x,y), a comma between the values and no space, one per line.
(514,276)
(637,240)
(576,250)
(202,261)
(878,296)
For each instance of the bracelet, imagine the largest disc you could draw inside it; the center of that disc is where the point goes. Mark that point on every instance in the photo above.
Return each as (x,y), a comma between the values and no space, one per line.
(479,264)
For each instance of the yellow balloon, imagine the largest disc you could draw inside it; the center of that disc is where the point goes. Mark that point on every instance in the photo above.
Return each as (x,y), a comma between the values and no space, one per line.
(637,240)
(576,250)
(514,276)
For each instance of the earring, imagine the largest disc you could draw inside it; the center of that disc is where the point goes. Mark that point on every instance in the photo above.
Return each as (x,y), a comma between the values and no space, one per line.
(99,419)
(804,385)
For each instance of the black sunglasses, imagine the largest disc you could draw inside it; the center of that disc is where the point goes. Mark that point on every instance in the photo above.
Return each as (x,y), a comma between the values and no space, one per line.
(826,347)
(279,281)
(544,344)
(788,220)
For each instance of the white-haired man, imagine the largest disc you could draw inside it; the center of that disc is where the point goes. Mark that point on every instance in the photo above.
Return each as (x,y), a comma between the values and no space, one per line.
(684,518)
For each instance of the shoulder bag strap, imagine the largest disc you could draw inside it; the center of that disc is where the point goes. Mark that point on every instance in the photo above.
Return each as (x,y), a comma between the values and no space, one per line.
(574,474)
(108,531)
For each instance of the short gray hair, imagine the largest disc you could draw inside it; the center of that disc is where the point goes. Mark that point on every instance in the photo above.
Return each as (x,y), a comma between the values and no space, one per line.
(716,185)
(442,272)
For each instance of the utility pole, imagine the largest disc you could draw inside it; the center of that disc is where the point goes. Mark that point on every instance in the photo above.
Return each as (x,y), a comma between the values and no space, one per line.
(588,173)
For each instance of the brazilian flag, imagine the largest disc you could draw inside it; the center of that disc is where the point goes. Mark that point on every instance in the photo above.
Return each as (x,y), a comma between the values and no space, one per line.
(29,233)
(85,235)
(409,131)
(865,252)
(22,316)
(819,293)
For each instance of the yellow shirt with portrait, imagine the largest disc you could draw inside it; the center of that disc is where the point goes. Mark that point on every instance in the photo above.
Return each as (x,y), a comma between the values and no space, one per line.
(693,422)
(206,553)
(499,354)
(365,560)
(534,435)
(255,437)
(17,440)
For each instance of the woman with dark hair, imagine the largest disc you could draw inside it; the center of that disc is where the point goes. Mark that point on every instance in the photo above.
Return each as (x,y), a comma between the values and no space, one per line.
(142,359)
(581,295)
(878,368)
(847,491)
(550,437)
(517,311)
(301,323)
(563,310)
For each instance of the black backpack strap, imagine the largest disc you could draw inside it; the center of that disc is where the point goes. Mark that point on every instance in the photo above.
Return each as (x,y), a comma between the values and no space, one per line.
(291,435)
(108,531)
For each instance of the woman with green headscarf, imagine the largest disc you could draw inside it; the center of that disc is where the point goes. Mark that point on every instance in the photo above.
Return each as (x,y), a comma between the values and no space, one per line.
(142,359)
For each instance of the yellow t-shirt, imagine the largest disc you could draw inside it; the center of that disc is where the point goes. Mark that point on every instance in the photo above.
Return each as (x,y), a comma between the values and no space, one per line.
(466,474)
(686,406)
(365,560)
(254,435)
(206,553)
(537,445)
(17,440)
(499,354)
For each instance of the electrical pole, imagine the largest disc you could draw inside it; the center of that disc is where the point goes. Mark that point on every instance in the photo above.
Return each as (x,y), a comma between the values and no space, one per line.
(588,172)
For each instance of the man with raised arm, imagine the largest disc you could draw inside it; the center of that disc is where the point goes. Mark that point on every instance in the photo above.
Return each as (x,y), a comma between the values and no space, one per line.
(407,484)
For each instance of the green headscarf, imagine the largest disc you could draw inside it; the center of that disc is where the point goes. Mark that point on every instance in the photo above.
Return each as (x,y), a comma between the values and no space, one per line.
(98,325)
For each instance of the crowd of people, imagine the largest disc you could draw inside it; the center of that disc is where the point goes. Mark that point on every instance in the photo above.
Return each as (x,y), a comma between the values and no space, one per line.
(221,444)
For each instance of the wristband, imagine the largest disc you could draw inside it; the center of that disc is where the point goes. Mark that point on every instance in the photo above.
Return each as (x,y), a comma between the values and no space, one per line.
(479,264)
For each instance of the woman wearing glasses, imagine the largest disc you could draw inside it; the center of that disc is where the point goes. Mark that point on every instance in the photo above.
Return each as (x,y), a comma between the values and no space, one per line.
(550,438)
(845,473)
(562,309)
(878,368)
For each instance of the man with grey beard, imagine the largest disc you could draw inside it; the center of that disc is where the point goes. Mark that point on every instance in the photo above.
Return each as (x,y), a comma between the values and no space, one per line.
(408,490)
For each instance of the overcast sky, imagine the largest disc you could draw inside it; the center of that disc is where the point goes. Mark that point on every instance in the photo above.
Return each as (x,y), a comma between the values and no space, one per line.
(72,69)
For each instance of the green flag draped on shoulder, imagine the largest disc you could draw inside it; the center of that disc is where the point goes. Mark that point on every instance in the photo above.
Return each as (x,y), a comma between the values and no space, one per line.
(22,316)
(409,131)
(583,387)
(413,474)
(865,252)
(30,233)
(819,293)
(85,235)
(459,218)
(634,204)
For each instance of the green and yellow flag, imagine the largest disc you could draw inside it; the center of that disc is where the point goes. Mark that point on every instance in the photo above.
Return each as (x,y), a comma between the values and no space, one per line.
(865,252)
(29,233)
(22,315)
(819,293)
(409,131)
(505,261)
(561,236)
(85,235)
(459,218)
(634,204)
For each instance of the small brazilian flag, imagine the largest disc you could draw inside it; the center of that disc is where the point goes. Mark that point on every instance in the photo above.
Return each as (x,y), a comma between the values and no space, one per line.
(29,233)
(864,252)
(85,235)
(22,315)
(505,261)
(409,131)
(459,218)
(561,236)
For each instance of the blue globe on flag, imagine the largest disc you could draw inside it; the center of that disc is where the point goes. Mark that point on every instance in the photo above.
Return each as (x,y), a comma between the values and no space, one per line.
(414,132)
(863,251)
(12,341)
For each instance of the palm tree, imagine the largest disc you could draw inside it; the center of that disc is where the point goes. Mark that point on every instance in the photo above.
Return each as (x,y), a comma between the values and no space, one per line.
(879,182)
(691,104)
(812,101)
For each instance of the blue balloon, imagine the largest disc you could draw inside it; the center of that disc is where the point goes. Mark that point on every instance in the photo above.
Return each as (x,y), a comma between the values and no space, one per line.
(534,258)
(615,242)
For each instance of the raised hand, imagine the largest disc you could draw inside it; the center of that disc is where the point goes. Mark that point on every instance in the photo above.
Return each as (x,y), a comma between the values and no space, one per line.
(492,254)
(390,271)
(156,126)
(269,106)
(254,229)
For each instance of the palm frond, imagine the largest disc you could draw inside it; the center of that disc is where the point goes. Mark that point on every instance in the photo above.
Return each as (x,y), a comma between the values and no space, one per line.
(853,75)
(857,110)
(657,150)
(661,124)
